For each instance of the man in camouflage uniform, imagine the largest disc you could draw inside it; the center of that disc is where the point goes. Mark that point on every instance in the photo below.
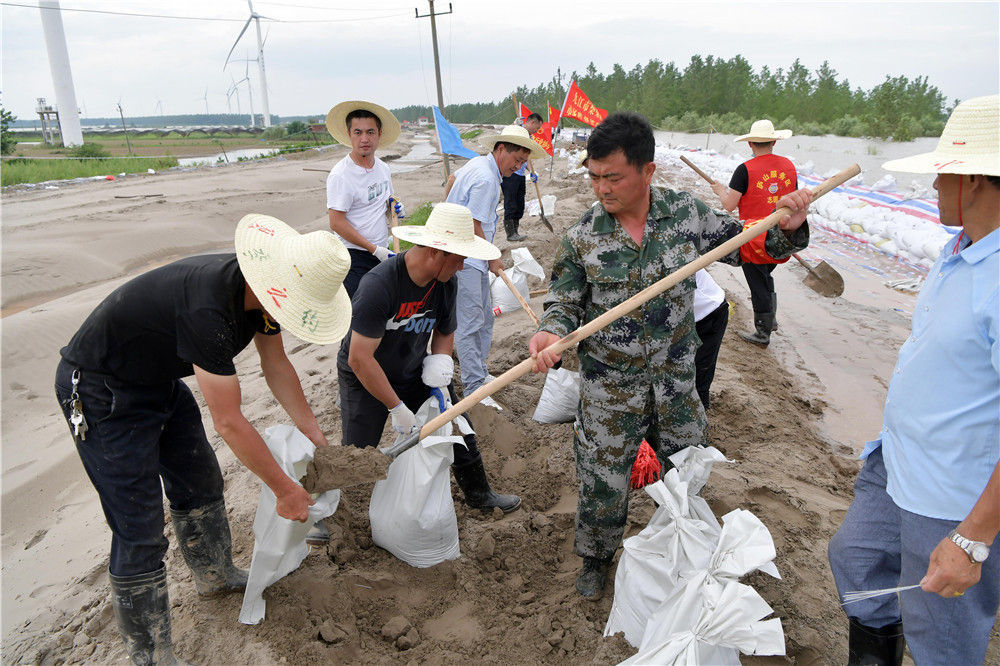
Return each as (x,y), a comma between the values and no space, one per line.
(638,373)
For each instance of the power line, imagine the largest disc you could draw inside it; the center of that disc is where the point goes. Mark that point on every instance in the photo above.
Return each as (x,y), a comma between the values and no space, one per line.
(203,18)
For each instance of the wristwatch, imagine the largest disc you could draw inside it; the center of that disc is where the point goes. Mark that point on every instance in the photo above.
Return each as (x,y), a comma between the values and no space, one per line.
(976,550)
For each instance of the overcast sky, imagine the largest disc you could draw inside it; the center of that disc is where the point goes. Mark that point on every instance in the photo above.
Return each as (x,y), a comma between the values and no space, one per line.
(382,53)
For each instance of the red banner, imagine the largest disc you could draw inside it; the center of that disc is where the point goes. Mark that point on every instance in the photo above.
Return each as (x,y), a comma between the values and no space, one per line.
(525,111)
(579,107)
(543,137)
(553,116)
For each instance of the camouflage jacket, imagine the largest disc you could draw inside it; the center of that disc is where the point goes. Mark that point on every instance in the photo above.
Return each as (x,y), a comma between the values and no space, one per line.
(598,266)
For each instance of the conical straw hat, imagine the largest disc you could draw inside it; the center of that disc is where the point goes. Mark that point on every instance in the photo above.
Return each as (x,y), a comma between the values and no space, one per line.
(450,228)
(518,136)
(336,122)
(763,130)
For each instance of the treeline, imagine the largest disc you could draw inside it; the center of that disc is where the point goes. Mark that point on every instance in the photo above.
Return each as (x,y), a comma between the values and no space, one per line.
(728,95)
(191,120)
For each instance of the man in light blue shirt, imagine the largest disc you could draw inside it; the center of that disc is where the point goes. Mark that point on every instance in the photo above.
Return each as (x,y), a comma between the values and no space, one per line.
(926,503)
(477,187)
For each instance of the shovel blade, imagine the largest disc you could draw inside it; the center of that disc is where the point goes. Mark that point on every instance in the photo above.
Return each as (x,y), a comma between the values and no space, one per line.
(825,280)
(344,466)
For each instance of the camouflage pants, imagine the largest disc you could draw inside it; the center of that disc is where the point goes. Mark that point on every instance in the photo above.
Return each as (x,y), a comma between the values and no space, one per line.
(605,442)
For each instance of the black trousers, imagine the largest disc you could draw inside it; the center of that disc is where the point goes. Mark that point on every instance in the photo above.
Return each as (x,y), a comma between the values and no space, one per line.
(363,417)
(513,197)
(138,436)
(761,285)
(361,263)
(711,330)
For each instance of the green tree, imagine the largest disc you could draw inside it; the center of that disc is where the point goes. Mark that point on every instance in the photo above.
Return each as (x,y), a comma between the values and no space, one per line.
(7,141)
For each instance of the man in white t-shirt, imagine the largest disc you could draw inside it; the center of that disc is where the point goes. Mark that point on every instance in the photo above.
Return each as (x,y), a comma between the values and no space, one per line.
(359,187)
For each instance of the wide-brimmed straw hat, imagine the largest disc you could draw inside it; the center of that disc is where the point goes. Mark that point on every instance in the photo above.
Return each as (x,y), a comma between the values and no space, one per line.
(763,130)
(518,136)
(969,144)
(298,278)
(336,122)
(450,228)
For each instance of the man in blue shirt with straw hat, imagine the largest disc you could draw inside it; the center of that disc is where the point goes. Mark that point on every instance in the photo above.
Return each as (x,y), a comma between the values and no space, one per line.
(136,424)
(926,506)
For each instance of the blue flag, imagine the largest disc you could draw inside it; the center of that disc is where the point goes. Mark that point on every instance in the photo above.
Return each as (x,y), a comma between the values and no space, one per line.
(448,137)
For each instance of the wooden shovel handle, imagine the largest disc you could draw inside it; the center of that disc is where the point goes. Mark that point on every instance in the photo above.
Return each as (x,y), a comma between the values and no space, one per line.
(520,298)
(808,267)
(623,308)
(697,170)
(393,222)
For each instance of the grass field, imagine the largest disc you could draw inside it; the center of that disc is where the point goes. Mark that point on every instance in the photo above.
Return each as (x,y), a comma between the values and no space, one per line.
(16,171)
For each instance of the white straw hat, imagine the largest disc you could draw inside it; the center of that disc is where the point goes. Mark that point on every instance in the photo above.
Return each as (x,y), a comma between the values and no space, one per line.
(298,278)
(763,130)
(969,144)
(518,136)
(336,122)
(450,228)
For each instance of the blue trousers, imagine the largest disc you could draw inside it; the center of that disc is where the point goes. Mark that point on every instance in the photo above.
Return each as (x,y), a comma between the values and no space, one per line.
(474,334)
(880,545)
(137,436)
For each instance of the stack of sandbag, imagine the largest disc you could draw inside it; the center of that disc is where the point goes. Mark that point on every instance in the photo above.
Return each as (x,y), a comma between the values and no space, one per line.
(694,466)
(672,543)
(279,543)
(411,510)
(710,617)
(524,266)
(560,397)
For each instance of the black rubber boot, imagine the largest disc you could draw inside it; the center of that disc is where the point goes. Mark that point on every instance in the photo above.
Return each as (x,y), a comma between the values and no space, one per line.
(875,647)
(762,321)
(205,541)
(471,478)
(593,576)
(774,311)
(510,226)
(142,611)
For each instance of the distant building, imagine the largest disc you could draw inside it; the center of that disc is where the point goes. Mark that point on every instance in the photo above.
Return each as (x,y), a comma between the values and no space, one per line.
(422,120)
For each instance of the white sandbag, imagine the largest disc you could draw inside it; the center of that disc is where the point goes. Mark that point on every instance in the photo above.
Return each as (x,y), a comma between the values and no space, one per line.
(560,397)
(411,510)
(671,543)
(279,543)
(697,631)
(524,266)
(548,204)
(694,465)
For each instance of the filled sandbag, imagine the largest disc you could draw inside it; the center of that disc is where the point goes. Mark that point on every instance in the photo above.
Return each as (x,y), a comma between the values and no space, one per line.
(411,511)
(524,266)
(560,397)
(279,543)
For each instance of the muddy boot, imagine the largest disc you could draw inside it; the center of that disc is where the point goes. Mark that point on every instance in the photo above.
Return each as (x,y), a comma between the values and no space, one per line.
(471,478)
(593,576)
(510,226)
(868,646)
(319,534)
(774,311)
(205,541)
(142,611)
(762,321)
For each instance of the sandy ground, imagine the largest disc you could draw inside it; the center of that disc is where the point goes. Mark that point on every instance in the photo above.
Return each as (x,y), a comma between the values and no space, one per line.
(791,417)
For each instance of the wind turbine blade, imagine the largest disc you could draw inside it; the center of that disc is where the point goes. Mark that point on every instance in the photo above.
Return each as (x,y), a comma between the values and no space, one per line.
(266,35)
(250,4)
(245,26)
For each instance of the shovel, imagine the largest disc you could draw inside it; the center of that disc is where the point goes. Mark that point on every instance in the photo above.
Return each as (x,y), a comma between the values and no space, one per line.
(403,444)
(823,278)
(538,193)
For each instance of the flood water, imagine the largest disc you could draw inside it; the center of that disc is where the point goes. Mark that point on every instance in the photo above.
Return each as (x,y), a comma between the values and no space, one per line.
(229,155)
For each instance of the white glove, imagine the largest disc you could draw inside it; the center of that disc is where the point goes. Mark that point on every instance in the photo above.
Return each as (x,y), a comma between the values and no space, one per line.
(403,420)
(438,370)
(382,253)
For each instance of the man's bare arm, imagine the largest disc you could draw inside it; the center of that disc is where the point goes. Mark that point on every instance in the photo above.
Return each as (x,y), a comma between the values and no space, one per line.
(340,226)
(285,386)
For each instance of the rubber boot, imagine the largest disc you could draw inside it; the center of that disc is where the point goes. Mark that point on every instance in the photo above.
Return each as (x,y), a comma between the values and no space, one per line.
(593,576)
(774,311)
(471,478)
(205,541)
(879,647)
(762,321)
(142,611)
(510,226)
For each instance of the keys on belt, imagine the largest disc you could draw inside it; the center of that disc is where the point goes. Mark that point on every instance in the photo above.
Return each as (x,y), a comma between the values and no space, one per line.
(76,418)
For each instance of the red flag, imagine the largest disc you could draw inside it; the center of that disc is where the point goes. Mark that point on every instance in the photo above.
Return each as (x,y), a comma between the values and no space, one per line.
(525,112)
(579,107)
(553,116)
(543,137)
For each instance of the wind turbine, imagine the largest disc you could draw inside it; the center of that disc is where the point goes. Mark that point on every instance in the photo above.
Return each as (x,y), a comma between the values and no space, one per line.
(205,97)
(246,79)
(159,107)
(254,16)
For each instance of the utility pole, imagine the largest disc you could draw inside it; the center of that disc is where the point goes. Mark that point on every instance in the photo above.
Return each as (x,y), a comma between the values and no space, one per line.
(437,66)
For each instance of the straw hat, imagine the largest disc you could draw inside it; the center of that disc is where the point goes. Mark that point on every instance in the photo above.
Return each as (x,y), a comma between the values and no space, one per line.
(969,144)
(450,228)
(763,130)
(519,137)
(336,122)
(298,278)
